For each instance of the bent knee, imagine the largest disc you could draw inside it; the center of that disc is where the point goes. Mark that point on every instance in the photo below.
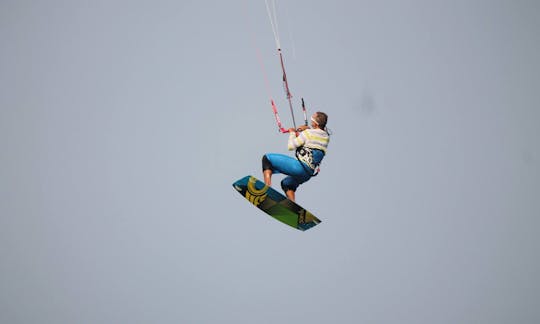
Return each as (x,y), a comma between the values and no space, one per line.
(266,164)
(287,185)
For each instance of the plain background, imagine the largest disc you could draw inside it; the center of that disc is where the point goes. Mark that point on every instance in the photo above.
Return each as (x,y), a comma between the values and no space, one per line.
(124,123)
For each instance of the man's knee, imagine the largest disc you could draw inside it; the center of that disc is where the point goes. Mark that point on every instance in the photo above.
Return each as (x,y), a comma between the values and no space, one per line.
(266,164)
(287,184)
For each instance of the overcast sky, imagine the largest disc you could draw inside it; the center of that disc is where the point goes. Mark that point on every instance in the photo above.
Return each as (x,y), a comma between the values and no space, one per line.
(123,125)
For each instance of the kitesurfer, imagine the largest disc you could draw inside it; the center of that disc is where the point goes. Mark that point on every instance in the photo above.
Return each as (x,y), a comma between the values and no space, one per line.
(310,145)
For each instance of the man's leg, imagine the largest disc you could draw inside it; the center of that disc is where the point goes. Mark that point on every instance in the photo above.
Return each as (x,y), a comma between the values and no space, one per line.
(267,177)
(290,194)
(267,170)
(289,185)
(279,163)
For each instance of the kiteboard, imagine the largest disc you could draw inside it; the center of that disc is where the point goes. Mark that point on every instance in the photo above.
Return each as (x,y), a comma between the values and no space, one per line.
(275,204)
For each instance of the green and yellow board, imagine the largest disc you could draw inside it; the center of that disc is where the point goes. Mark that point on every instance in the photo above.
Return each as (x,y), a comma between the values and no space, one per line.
(275,204)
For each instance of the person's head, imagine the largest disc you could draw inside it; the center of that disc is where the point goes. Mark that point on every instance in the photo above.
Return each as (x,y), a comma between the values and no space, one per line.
(319,120)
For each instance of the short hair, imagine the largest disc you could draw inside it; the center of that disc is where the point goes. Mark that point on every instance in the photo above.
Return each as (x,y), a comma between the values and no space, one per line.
(321,119)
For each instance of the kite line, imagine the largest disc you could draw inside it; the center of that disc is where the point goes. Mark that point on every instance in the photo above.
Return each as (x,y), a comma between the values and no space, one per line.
(271,10)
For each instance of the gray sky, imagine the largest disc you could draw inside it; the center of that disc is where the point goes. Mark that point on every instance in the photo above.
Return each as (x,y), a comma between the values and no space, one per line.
(123,125)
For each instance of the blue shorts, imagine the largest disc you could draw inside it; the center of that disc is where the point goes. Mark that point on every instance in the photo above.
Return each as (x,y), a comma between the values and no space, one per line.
(297,172)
